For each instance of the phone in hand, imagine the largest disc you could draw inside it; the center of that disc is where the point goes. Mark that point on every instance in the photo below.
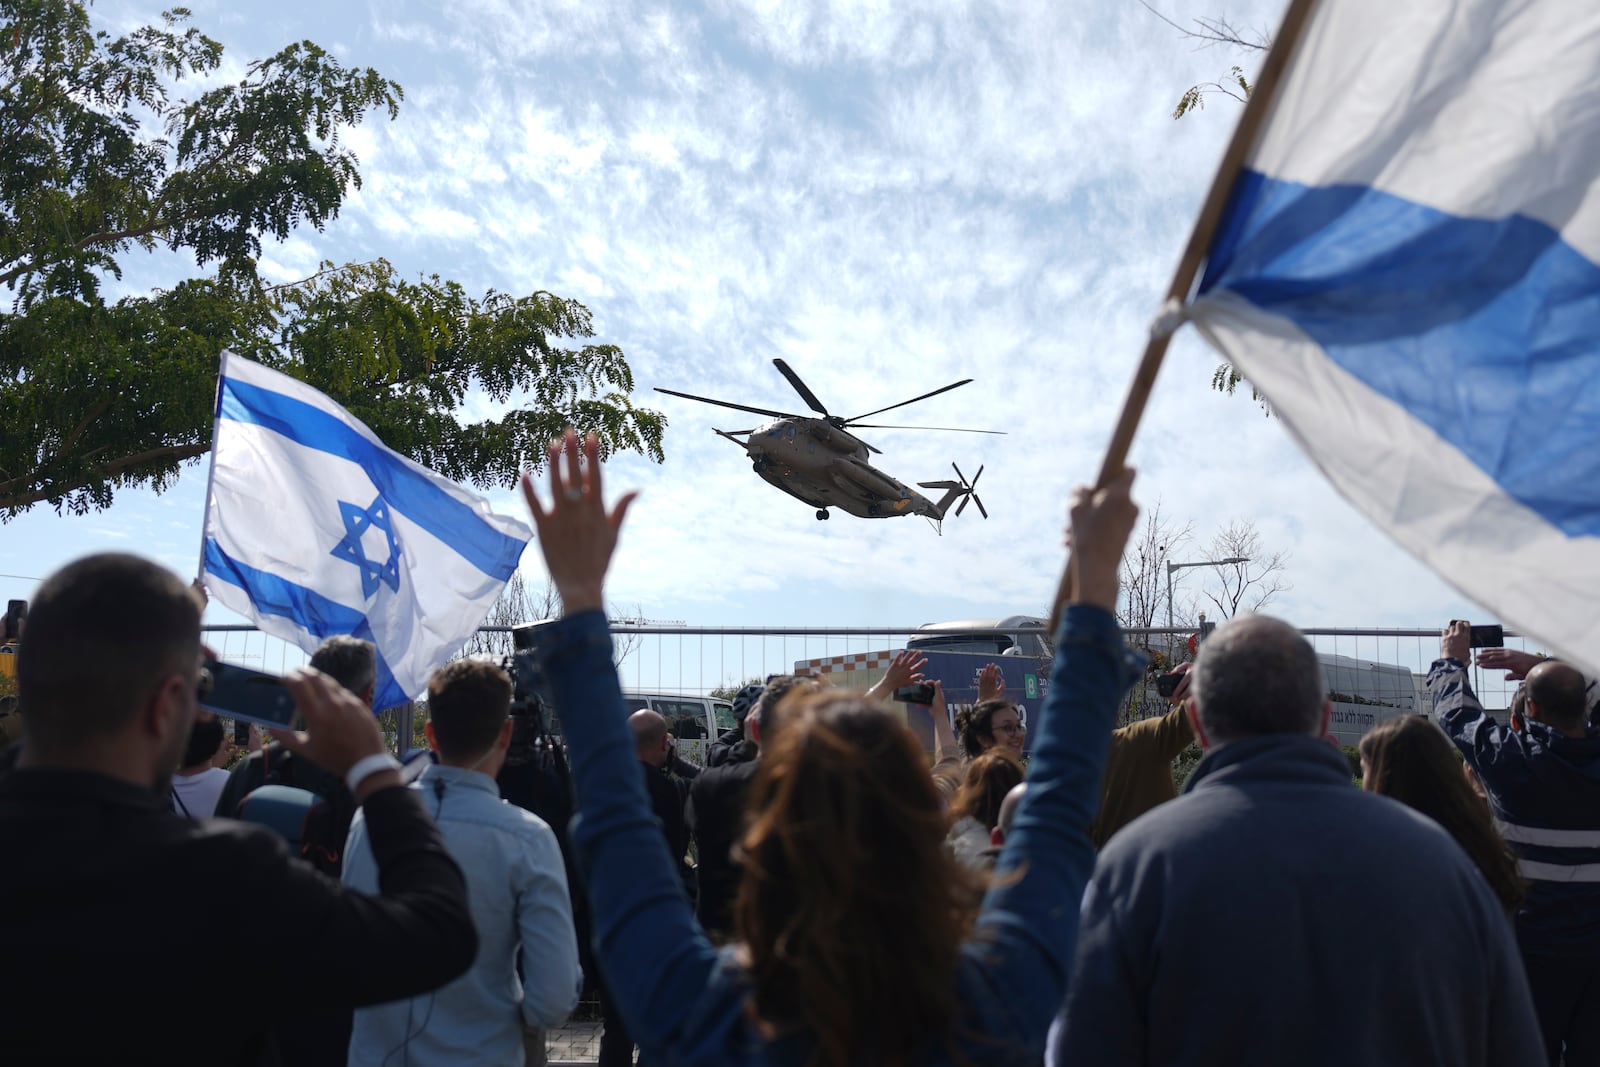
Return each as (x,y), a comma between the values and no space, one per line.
(235,692)
(1488,637)
(241,733)
(1167,684)
(922,693)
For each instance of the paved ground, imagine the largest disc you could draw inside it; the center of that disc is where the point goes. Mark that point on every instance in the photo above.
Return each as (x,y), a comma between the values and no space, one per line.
(576,1042)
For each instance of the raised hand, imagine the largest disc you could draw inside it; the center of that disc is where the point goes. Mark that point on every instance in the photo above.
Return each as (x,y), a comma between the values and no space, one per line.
(576,533)
(904,669)
(1514,662)
(1455,641)
(991,683)
(1102,519)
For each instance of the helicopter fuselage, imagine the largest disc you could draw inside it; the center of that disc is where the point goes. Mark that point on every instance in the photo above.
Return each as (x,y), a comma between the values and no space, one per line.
(825,466)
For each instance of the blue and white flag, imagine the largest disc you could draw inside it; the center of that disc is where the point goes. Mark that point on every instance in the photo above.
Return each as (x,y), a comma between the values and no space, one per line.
(1409,271)
(315,528)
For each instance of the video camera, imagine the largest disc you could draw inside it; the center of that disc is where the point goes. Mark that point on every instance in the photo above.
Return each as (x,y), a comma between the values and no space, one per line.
(531,708)
(535,776)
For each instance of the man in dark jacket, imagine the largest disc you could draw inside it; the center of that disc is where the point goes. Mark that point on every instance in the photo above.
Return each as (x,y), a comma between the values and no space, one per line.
(1276,914)
(1542,776)
(721,750)
(652,743)
(717,811)
(102,884)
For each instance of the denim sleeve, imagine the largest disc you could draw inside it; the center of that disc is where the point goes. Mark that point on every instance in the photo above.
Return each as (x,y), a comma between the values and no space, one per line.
(652,950)
(1015,969)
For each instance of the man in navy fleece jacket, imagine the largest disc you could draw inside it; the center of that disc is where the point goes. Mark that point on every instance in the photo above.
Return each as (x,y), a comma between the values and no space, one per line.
(1276,914)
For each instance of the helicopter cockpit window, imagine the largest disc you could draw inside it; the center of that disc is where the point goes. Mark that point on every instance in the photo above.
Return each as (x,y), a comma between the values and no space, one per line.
(789,433)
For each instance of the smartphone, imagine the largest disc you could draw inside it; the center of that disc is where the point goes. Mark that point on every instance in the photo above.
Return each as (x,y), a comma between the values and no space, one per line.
(241,733)
(1167,684)
(915,694)
(236,692)
(1488,637)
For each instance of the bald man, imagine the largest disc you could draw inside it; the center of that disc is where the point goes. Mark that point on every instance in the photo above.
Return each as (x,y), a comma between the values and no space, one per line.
(652,743)
(1542,777)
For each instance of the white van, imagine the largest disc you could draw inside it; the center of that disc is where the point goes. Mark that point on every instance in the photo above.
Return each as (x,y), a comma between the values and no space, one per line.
(695,721)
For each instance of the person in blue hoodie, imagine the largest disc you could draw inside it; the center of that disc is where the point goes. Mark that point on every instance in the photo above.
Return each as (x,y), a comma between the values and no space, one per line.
(1542,776)
(1276,914)
(856,939)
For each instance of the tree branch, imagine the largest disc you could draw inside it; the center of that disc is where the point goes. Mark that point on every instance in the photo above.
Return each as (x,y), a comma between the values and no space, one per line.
(11,501)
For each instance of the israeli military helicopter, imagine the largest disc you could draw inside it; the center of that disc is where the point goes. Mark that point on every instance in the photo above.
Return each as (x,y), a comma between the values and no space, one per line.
(820,462)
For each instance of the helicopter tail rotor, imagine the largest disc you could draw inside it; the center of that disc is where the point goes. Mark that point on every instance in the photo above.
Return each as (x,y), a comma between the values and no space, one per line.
(969,492)
(960,490)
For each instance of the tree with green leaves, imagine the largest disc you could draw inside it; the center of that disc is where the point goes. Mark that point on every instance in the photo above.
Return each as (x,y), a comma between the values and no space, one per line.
(99,159)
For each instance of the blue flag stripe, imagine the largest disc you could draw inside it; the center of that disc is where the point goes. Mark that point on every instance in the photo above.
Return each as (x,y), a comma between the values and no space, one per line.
(307,609)
(1482,329)
(407,491)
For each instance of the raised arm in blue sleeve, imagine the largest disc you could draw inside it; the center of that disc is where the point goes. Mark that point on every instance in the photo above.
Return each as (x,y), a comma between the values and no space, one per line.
(1016,968)
(654,954)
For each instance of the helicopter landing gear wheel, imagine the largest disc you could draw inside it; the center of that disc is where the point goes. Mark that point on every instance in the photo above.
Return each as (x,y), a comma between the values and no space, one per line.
(822,513)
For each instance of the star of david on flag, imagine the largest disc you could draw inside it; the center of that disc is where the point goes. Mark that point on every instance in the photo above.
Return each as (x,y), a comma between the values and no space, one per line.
(357,521)
(315,528)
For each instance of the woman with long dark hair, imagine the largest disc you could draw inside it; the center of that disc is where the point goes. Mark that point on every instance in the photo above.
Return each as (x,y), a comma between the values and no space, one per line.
(857,940)
(1411,760)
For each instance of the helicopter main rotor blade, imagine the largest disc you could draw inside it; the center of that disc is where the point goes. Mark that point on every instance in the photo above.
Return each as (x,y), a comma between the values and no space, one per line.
(800,387)
(726,404)
(913,400)
(948,429)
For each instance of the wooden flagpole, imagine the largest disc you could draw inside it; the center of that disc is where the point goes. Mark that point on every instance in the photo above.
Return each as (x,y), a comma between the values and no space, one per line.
(1194,253)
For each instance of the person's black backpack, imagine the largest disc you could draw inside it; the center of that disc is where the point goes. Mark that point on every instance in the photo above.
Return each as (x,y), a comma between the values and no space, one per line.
(310,808)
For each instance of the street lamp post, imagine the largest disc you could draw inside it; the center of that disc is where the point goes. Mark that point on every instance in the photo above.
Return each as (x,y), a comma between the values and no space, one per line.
(1201,563)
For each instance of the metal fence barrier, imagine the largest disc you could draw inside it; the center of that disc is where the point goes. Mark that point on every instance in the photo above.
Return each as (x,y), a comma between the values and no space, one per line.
(1372,673)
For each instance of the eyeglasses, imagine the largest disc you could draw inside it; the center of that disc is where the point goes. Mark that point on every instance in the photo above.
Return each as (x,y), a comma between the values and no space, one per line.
(1011,729)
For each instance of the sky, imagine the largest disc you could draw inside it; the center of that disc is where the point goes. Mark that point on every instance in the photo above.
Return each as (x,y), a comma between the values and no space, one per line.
(889,197)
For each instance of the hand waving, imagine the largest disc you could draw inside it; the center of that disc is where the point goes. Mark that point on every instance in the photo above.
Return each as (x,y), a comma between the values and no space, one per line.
(991,683)
(576,533)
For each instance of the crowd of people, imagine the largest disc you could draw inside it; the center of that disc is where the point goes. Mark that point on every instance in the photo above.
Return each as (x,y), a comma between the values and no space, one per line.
(821,892)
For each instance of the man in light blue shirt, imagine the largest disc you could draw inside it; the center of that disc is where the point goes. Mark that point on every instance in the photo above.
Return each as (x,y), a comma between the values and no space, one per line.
(516,884)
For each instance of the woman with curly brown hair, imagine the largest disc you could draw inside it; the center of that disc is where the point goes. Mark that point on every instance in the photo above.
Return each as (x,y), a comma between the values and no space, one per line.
(857,936)
(1411,760)
(976,808)
(989,724)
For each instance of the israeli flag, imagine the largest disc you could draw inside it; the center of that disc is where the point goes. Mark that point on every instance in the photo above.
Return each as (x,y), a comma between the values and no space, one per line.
(1409,270)
(315,528)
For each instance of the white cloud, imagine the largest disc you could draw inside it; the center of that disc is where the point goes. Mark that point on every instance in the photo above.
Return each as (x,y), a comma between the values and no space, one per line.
(888,196)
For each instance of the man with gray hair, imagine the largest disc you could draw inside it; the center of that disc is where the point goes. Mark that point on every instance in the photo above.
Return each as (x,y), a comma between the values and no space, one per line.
(1274,913)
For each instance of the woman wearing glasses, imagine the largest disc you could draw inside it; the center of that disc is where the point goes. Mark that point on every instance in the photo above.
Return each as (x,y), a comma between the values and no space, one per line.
(991,723)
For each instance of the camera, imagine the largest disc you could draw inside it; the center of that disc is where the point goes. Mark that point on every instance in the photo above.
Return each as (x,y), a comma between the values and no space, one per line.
(1488,637)
(915,694)
(1167,684)
(535,776)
